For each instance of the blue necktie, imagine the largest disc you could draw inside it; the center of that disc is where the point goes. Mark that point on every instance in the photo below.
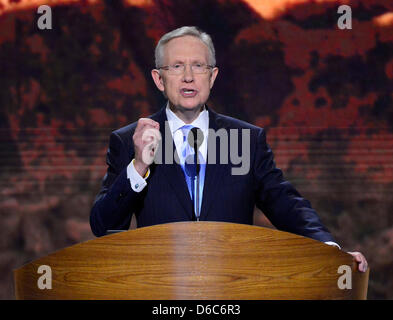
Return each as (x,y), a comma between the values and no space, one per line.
(188,166)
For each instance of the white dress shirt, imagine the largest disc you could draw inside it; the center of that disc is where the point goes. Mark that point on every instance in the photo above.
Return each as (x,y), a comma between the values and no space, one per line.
(175,125)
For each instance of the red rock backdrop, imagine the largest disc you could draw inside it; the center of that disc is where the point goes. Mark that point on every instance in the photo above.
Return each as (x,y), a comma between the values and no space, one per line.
(323,94)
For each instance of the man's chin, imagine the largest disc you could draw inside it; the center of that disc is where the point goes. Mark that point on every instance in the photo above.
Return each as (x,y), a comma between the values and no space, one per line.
(188,107)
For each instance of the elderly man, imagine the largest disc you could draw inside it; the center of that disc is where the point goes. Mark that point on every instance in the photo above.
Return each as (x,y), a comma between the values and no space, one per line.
(162,192)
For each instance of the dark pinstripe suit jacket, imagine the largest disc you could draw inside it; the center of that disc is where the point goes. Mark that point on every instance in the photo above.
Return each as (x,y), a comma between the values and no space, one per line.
(226,197)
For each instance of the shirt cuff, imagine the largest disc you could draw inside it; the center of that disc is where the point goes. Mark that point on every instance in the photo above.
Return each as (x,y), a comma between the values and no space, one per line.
(137,182)
(331,243)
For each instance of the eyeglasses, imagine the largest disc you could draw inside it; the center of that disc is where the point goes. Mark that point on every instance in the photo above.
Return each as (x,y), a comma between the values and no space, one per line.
(179,68)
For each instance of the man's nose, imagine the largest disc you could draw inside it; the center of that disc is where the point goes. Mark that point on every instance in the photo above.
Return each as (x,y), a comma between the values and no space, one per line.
(188,75)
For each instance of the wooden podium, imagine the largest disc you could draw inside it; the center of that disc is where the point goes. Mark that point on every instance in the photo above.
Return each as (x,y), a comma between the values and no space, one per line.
(194,260)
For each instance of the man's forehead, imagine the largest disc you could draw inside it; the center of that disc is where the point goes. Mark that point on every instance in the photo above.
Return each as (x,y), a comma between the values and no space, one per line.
(186,47)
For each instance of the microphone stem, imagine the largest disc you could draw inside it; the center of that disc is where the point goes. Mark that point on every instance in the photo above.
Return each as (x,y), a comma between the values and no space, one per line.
(197,197)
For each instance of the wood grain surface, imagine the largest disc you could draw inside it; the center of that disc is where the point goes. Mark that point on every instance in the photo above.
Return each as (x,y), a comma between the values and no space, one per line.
(194,260)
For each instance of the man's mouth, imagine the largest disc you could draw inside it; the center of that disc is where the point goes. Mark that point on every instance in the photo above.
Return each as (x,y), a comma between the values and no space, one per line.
(188,93)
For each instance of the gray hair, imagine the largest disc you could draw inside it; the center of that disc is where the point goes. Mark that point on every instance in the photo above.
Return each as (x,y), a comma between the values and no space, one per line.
(180,32)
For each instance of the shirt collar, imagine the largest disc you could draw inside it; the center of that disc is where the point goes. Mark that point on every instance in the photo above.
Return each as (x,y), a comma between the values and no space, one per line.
(176,123)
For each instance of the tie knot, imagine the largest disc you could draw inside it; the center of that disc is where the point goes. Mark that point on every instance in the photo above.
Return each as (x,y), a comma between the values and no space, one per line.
(185,130)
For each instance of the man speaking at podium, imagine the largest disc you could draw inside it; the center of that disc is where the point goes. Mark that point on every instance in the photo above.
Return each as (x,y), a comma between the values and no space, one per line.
(201,184)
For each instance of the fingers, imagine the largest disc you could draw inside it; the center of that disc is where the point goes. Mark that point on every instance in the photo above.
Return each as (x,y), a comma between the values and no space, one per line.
(361,260)
(151,137)
(146,122)
(146,138)
(140,138)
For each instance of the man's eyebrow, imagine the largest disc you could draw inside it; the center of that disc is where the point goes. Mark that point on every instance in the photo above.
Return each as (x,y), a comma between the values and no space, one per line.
(178,62)
(193,61)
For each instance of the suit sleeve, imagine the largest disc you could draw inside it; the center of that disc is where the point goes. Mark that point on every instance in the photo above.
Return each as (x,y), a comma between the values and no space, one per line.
(116,201)
(280,201)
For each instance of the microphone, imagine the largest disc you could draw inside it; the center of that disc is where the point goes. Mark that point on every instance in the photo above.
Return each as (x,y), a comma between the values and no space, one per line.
(195,139)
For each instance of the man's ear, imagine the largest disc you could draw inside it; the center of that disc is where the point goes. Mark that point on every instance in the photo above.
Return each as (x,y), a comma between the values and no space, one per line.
(213,76)
(158,80)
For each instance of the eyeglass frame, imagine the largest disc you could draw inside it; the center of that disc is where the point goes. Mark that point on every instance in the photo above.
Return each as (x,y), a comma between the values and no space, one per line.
(167,68)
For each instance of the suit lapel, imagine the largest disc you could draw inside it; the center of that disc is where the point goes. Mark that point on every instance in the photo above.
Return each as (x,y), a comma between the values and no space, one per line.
(170,168)
(213,171)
